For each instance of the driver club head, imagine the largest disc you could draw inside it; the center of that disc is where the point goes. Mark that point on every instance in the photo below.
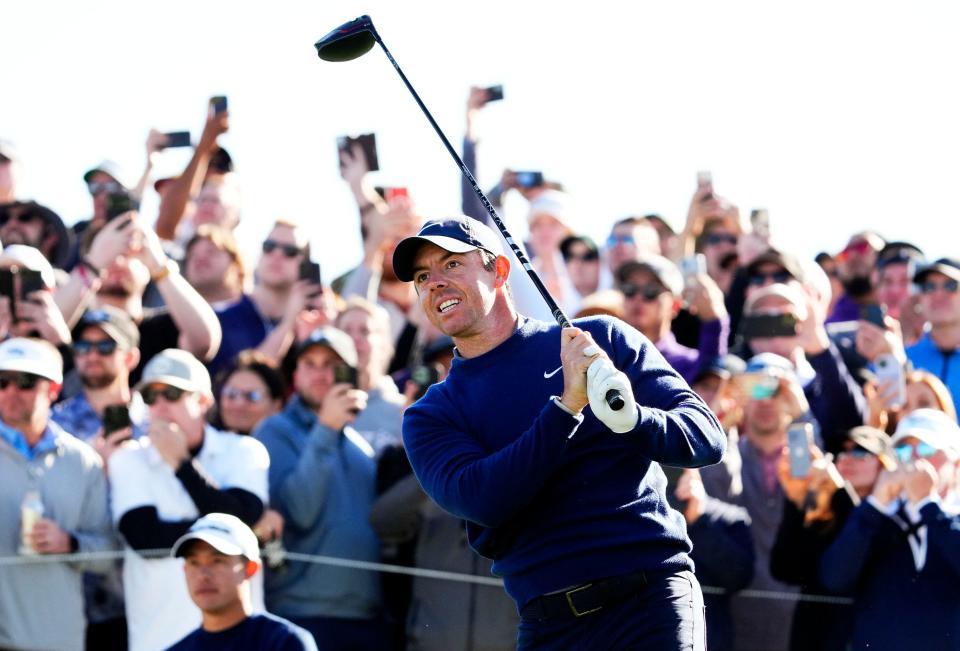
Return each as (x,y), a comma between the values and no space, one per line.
(347,42)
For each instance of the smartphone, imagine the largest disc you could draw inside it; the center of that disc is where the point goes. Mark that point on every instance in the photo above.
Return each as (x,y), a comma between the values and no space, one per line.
(527,180)
(119,203)
(890,372)
(762,326)
(799,438)
(760,222)
(693,265)
(30,281)
(368,143)
(115,417)
(177,139)
(310,271)
(494,93)
(874,313)
(424,377)
(219,103)
(673,477)
(393,193)
(346,374)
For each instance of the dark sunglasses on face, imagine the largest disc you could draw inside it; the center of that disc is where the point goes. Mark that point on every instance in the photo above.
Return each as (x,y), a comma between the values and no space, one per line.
(589,256)
(720,238)
(646,292)
(96,187)
(289,250)
(19,217)
(950,286)
(85,347)
(23,381)
(777,277)
(169,393)
(904,451)
(236,394)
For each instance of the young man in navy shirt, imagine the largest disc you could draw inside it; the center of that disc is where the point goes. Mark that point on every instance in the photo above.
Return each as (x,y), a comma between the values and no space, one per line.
(568,501)
(221,554)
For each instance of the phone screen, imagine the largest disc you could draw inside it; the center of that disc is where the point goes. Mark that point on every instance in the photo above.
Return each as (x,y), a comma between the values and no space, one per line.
(344,374)
(177,139)
(760,326)
(874,314)
(799,438)
(30,281)
(115,417)
(219,103)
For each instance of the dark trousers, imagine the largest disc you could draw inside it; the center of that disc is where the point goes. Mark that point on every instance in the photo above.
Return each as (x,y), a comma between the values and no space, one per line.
(664,614)
(340,634)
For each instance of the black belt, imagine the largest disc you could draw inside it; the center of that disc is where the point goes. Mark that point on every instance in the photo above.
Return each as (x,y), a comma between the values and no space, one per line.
(583,599)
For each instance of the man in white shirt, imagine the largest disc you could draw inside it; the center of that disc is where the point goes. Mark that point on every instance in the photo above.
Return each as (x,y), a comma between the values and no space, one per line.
(162,483)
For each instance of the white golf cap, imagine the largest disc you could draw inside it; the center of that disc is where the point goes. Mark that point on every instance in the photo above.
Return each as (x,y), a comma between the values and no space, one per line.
(27,257)
(177,368)
(663,270)
(931,426)
(34,356)
(225,533)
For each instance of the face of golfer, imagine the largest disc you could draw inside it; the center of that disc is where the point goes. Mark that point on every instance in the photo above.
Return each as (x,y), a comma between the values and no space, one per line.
(214,579)
(456,290)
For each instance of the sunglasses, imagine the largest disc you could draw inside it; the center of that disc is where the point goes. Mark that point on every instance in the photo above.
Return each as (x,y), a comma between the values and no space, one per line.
(589,256)
(22,217)
(905,451)
(289,250)
(169,393)
(236,394)
(96,187)
(85,347)
(777,277)
(646,292)
(950,286)
(856,453)
(613,240)
(720,238)
(23,381)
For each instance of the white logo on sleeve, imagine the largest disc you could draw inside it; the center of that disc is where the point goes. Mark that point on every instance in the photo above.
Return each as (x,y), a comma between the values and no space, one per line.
(549,375)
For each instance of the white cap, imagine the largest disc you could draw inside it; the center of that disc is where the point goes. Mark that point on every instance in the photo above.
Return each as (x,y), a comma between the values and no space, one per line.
(34,356)
(789,293)
(931,426)
(225,533)
(664,270)
(177,368)
(28,257)
(557,204)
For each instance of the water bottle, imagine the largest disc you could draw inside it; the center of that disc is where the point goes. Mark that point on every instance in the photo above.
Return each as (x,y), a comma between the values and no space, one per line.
(31,510)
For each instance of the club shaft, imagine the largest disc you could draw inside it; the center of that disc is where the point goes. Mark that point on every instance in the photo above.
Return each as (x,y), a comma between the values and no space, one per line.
(613,397)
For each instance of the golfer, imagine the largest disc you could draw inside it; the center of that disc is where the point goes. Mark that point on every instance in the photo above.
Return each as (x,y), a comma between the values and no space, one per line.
(568,501)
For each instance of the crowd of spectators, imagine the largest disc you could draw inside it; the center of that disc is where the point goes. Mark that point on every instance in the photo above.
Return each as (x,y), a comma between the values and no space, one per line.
(150,376)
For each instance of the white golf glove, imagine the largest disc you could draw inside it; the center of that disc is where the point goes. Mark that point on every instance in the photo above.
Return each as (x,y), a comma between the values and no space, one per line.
(601,377)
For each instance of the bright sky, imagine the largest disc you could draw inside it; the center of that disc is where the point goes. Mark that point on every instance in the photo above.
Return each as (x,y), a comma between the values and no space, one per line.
(836,116)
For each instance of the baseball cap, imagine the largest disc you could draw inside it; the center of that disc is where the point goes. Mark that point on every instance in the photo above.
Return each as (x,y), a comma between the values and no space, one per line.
(876,442)
(770,364)
(60,251)
(115,323)
(7,151)
(555,203)
(459,234)
(949,267)
(336,340)
(723,366)
(588,242)
(931,426)
(779,258)
(28,257)
(665,271)
(111,169)
(790,294)
(34,356)
(177,368)
(225,533)
(899,253)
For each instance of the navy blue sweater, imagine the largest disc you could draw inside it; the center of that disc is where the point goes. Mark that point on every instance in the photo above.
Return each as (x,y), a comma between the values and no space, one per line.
(490,446)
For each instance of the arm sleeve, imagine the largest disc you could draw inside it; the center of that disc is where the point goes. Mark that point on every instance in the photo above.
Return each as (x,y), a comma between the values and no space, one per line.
(943,532)
(835,398)
(395,515)
(722,546)
(94,532)
(469,482)
(210,498)
(143,529)
(712,342)
(675,426)
(299,481)
(844,560)
(469,201)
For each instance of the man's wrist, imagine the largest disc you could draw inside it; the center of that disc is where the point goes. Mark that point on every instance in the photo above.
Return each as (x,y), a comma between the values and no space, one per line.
(568,406)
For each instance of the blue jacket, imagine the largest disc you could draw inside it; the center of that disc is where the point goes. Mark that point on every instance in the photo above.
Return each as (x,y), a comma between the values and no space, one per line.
(896,606)
(323,483)
(944,364)
(555,504)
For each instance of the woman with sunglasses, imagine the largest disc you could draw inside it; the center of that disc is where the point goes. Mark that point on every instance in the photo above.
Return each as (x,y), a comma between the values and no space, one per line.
(250,390)
(816,506)
(898,553)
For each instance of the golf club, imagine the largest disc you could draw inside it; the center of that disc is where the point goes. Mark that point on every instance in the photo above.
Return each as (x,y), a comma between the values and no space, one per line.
(357,37)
